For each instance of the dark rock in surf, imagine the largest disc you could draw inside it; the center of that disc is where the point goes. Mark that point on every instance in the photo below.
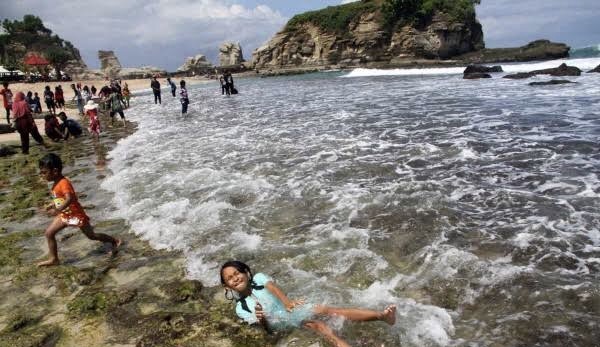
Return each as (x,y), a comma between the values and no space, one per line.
(551,82)
(476,75)
(562,70)
(596,69)
(520,75)
(482,69)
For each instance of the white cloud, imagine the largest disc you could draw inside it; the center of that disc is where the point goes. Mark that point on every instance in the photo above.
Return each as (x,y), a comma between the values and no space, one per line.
(153,32)
(348,1)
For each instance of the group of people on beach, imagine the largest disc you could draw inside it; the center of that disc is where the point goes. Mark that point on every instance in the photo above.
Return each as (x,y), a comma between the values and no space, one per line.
(20,109)
(226,81)
(183,94)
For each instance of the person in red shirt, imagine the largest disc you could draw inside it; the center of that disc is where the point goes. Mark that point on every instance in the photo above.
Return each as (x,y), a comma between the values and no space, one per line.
(24,123)
(66,209)
(7,96)
(59,97)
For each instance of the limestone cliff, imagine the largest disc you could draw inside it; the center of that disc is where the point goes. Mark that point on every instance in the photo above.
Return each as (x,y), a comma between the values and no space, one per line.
(368,40)
(230,53)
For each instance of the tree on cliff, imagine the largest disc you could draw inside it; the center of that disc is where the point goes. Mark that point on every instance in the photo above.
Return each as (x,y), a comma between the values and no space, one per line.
(58,57)
(409,11)
(30,35)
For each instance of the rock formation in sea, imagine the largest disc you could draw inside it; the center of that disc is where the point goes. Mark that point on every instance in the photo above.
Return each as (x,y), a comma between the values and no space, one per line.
(109,64)
(230,53)
(196,64)
(111,67)
(596,69)
(367,39)
(536,50)
(361,34)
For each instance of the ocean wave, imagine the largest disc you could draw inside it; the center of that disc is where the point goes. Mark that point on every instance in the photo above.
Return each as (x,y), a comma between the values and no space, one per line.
(582,63)
(586,52)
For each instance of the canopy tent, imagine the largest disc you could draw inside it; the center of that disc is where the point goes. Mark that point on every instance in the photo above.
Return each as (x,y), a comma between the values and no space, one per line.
(36,60)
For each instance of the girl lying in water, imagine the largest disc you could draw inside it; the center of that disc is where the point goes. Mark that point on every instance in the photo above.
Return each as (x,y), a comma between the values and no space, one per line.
(260,301)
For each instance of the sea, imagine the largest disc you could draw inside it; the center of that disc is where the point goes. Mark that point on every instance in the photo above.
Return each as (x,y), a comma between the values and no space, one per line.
(472,205)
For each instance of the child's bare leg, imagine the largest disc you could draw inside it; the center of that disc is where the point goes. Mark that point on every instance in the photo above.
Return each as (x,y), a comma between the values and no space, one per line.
(88,230)
(50,233)
(388,315)
(326,332)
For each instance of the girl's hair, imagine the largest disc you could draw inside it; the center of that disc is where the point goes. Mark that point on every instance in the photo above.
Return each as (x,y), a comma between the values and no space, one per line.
(238,265)
(50,161)
(182,83)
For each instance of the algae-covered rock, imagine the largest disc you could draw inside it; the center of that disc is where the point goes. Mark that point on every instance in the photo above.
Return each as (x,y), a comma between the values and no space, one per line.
(23,330)
(92,302)
(183,290)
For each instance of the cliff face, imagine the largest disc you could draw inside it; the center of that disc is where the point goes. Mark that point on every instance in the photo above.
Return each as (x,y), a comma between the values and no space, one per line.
(367,41)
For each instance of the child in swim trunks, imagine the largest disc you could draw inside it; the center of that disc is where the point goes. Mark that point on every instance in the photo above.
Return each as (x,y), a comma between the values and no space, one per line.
(262,302)
(66,209)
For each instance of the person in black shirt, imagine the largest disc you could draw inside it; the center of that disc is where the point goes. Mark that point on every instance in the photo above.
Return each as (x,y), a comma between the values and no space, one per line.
(155,85)
(69,127)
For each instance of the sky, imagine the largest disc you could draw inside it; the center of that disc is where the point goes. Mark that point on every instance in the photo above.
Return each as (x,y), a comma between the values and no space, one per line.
(163,33)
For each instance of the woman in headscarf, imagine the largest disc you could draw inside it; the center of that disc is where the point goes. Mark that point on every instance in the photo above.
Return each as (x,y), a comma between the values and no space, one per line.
(24,122)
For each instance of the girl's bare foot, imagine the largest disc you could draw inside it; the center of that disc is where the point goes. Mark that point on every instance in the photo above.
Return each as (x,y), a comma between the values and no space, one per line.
(389,315)
(49,262)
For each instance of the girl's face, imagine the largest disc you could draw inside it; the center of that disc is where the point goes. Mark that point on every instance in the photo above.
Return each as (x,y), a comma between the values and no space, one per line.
(235,280)
(49,174)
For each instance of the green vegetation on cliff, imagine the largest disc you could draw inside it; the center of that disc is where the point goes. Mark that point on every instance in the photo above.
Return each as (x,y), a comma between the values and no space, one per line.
(31,36)
(337,18)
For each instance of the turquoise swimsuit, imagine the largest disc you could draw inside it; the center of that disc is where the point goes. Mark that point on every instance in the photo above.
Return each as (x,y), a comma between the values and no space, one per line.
(278,318)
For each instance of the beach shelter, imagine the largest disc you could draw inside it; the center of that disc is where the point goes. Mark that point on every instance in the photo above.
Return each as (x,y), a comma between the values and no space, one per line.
(36,60)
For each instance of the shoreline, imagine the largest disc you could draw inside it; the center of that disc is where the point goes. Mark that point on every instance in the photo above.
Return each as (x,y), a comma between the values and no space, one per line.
(140,297)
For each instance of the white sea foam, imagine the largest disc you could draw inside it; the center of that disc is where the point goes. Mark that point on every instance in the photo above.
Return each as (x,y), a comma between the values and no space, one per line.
(406,184)
(583,64)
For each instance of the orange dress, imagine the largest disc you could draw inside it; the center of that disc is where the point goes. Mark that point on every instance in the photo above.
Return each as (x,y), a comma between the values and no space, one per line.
(73,215)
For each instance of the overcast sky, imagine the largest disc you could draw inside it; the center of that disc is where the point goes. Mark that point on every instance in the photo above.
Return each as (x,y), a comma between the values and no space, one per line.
(163,33)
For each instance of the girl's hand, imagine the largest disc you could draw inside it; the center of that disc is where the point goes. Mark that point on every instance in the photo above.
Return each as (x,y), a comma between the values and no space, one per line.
(260,314)
(53,211)
(289,306)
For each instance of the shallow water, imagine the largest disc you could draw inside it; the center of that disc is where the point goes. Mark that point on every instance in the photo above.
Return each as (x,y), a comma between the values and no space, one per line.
(472,205)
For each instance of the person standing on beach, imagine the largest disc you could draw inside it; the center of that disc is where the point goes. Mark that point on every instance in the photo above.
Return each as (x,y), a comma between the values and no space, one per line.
(229,83)
(116,106)
(8,100)
(49,100)
(24,122)
(91,110)
(183,97)
(155,85)
(223,85)
(66,210)
(78,98)
(126,94)
(59,97)
(93,90)
(172,85)
(37,102)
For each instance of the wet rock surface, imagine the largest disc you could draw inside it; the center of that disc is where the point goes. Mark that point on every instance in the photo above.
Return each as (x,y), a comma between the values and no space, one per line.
(551,82)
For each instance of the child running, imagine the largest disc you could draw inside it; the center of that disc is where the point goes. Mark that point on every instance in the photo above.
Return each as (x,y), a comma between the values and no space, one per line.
(260,301)
(66,209)
(91,110)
